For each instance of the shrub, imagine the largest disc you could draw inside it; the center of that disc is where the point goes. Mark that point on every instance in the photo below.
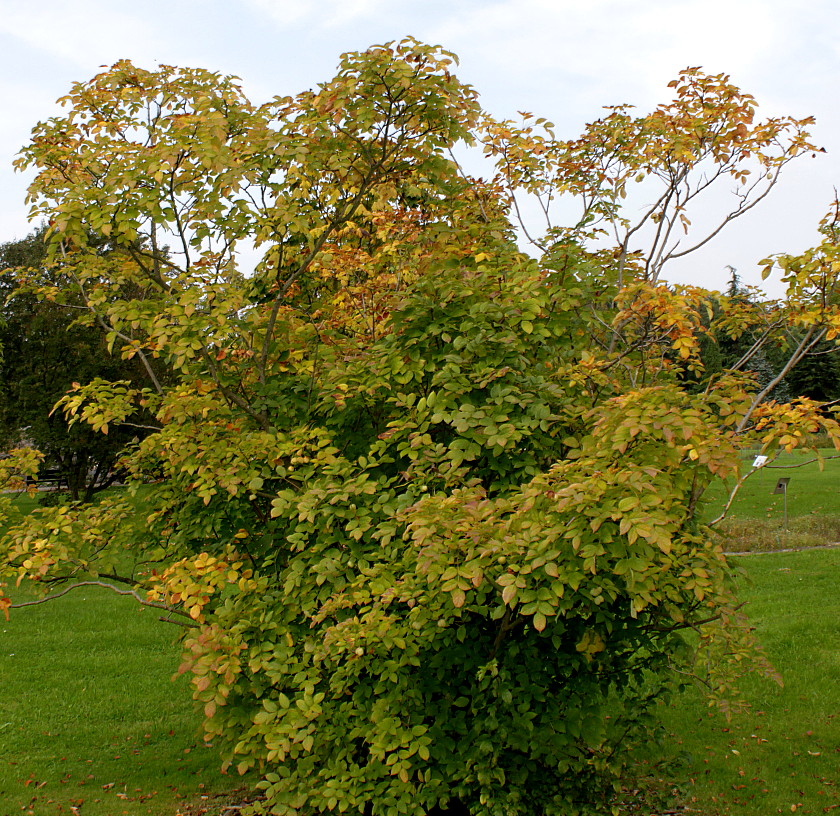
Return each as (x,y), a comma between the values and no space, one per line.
(426,506)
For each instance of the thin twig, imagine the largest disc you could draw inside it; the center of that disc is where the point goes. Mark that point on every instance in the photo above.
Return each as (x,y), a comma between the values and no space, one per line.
(105,585)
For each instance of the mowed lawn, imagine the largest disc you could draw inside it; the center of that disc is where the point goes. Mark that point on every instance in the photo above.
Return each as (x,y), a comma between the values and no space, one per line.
(756,518)
(782,755)
(89,716)
(91,722)
(811,490)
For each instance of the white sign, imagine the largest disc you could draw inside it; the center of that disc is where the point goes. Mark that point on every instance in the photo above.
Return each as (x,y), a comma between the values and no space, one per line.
(760,461)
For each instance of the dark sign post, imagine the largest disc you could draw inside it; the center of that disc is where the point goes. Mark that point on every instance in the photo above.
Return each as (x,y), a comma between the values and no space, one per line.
(781,487)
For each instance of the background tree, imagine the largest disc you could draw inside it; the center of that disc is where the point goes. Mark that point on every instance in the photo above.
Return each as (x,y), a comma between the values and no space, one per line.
(757,336)
(47,346)
(818,375)
(429,508)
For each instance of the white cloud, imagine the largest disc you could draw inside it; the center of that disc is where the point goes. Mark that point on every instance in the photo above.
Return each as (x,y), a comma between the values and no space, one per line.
(318,13)
(563,59)
(81,30)
(283,13)
(610,45)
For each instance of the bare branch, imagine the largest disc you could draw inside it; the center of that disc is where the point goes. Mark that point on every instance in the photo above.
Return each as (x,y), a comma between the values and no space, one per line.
(807,342)
(737,213)
(108,328)
(139,598)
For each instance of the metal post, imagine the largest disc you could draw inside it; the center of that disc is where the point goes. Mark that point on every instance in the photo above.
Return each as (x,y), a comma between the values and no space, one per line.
(786,520)
(781,487)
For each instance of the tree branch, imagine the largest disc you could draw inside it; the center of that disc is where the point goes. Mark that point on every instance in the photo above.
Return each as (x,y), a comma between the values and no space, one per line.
(105,585)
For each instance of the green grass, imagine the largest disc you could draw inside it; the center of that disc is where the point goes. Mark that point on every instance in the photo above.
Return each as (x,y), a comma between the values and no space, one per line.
(755,522)
(810,492)
(89,716)
(782,755)
(90,719)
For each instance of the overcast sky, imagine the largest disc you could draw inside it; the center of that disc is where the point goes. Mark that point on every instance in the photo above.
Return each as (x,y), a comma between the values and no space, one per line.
(562,59)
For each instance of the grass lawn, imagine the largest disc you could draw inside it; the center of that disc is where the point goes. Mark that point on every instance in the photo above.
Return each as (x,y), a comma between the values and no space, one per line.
(783,754)
(756,517)
(89,717)
(90,722)
(811,490)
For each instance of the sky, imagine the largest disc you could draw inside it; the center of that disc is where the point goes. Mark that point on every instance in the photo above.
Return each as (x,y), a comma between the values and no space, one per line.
(561,59)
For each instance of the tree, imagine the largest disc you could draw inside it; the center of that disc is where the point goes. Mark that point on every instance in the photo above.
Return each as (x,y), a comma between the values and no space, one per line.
(818,375)
(430,509)
(46,348)
(757,336)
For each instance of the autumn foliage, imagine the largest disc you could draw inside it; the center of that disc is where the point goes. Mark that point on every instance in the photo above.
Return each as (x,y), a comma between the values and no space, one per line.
(429,507)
